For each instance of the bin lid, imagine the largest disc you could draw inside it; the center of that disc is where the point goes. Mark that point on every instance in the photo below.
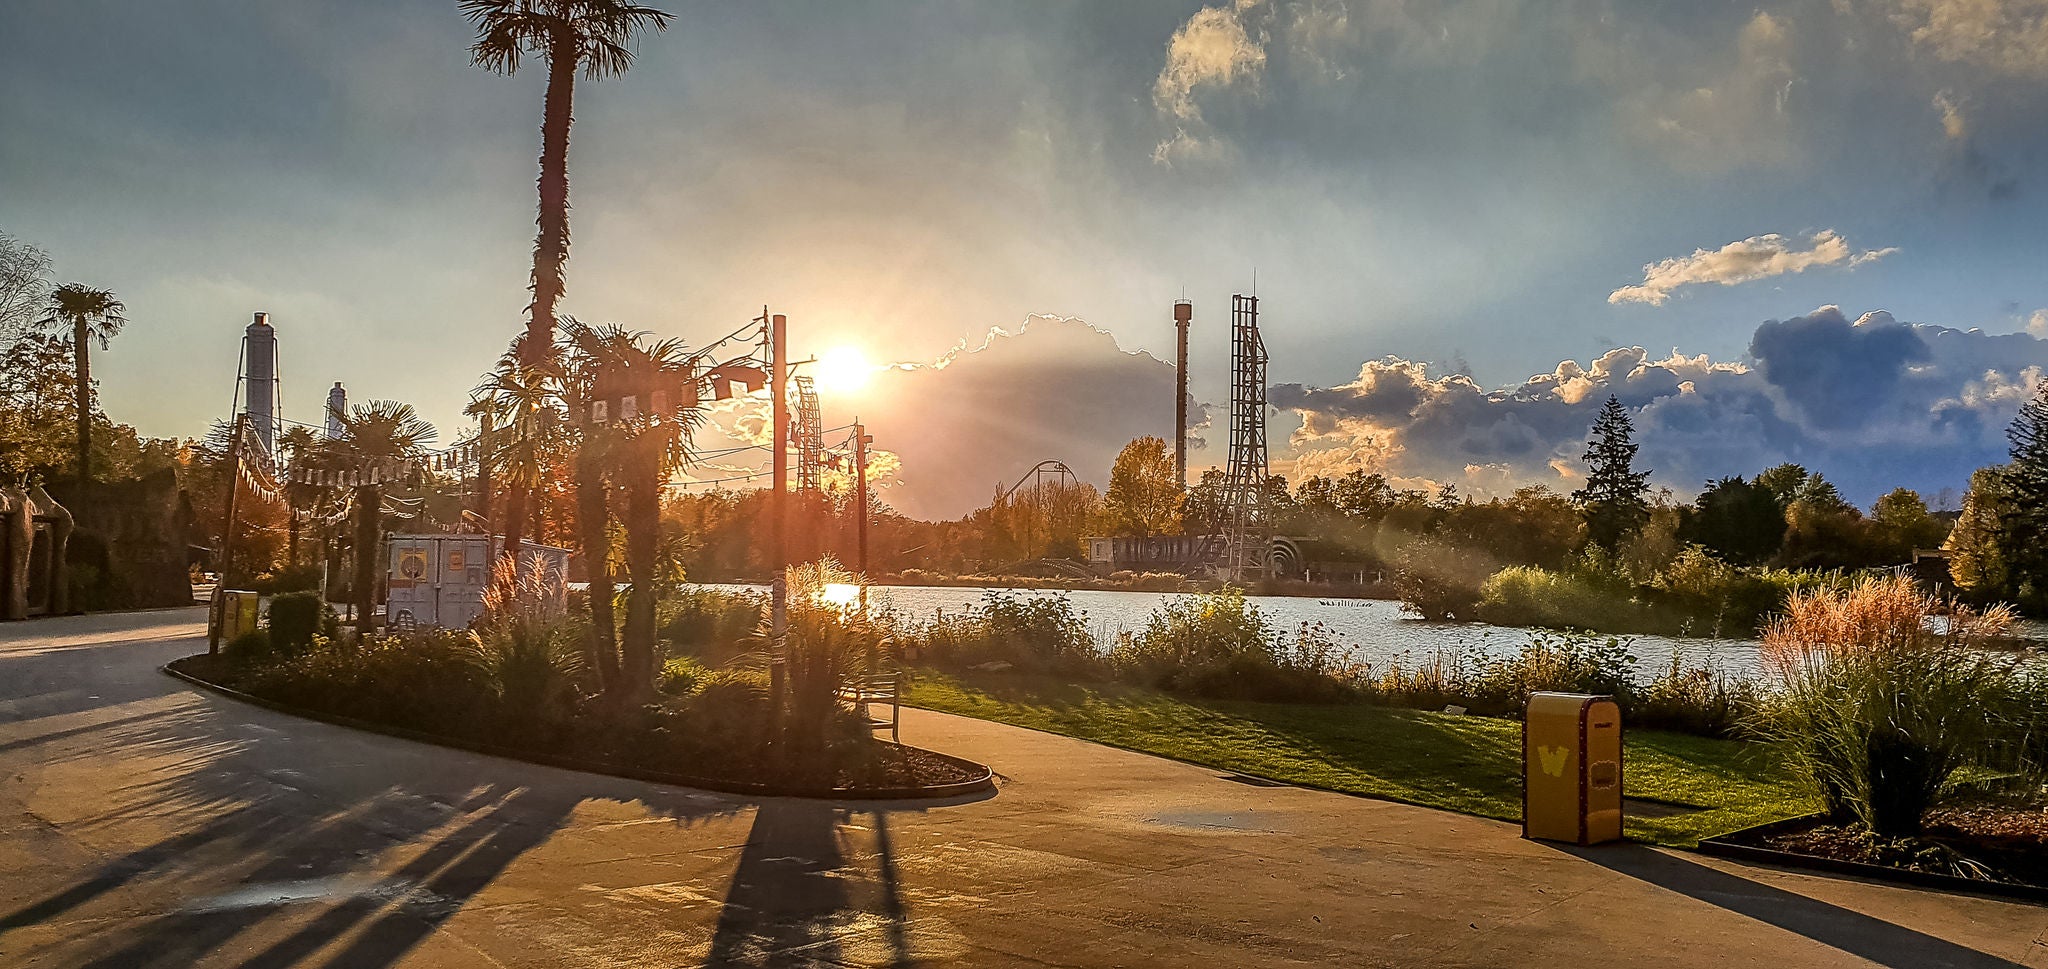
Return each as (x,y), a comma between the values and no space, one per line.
(1544,703)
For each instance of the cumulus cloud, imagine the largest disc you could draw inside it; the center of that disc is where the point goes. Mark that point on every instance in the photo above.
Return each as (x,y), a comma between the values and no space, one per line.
(1744,261)
(1874,403)
(981,415)
(2007,36)
(1213,49)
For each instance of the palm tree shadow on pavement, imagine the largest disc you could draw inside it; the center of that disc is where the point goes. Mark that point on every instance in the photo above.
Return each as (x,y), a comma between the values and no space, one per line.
(291,841)
(817,883)
(1869,937)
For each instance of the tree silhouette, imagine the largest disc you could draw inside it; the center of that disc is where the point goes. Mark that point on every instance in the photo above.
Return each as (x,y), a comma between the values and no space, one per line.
(1614,499)
(593,36)
(92,314)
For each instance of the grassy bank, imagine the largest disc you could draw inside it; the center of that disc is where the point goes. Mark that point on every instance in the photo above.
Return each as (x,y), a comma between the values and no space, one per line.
(1458,763)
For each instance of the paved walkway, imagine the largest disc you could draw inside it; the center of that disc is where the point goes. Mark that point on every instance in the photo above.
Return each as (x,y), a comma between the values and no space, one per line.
(143,823)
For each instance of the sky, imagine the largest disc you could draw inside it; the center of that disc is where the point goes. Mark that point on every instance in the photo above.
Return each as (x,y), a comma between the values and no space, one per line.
(1801,230)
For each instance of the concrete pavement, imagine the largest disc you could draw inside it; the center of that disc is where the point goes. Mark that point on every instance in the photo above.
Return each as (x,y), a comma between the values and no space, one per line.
(143,823)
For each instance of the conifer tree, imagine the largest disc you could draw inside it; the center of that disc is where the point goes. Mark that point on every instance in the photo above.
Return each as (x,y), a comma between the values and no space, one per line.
(1614,500)
(2024,520)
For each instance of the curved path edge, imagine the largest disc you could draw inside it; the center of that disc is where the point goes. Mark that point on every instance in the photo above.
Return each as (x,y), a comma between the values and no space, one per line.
(983,783)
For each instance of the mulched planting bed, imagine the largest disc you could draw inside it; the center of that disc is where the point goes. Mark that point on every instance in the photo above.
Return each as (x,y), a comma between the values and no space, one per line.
(1997,840)
(884,769)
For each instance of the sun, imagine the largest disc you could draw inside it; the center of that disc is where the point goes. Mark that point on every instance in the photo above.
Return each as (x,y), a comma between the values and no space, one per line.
(843,369)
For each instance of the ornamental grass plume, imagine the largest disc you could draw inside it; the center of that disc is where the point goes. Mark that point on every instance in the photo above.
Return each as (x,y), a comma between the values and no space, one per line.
(524,639)
(1884,692)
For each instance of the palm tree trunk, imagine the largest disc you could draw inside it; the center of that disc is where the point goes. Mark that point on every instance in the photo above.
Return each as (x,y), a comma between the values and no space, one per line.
(551,246)
(80,357)
(515,524)
(643,524)
(593,518)
(369,507)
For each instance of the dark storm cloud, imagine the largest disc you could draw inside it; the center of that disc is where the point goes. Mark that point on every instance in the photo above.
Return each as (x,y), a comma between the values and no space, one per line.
(1873,403)
(1839,373)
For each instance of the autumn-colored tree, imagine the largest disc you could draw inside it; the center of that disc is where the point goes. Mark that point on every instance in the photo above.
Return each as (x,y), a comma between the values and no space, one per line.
(1144,496)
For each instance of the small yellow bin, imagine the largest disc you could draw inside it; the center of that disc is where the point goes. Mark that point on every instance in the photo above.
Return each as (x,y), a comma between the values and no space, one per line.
(1571,768)
(235,612)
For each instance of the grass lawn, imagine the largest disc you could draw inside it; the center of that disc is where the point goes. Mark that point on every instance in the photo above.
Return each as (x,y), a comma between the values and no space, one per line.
(1457,763)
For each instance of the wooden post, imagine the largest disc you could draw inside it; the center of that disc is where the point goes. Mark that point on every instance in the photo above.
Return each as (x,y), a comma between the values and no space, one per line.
(778,505)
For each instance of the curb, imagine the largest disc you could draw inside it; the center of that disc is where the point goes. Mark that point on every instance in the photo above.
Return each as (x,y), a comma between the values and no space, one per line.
(983,783)
(1723,846)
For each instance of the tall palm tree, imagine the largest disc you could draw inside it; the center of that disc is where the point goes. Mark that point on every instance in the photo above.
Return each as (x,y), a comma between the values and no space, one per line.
(91,314)
(593,36)
(376,440)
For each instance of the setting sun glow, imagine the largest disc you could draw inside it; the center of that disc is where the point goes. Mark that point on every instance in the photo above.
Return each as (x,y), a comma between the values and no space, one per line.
(843,370)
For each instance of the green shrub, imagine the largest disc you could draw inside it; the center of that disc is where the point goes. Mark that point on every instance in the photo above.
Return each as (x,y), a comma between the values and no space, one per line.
(729,713)
(295,617)
(1037,633)
(252,648)
(1730,601)
(697,619)
(1215,644)
(292,578)
(1692,699)
(1560,663)
(430,680)
(1439,581)
(679,676)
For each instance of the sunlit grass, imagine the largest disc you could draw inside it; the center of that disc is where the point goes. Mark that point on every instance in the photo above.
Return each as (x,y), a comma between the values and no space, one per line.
(1456,763)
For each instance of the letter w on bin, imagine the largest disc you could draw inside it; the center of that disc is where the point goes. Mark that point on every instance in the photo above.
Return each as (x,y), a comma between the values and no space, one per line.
(1571,768)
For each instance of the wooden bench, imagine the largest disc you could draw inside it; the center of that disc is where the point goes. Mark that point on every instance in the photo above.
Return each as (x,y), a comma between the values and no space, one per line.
(868,691)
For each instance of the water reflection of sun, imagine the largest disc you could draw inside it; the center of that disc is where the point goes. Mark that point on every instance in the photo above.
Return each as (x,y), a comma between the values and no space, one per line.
(840,593)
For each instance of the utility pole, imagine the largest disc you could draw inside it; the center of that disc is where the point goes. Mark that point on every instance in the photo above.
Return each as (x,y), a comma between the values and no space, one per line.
(778,506)
(861,440)
(227,530)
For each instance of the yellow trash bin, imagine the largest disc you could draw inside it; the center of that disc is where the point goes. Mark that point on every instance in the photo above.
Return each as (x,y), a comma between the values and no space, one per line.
(234,613)
(1571,768)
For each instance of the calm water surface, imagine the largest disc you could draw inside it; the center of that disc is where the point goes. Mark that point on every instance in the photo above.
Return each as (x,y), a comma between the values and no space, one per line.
(1375,629)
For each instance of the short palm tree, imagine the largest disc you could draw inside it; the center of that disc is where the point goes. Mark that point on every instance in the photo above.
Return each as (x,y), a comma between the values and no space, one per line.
(377,440)
(637,454)
(297,445)
(594,37)
(92,314)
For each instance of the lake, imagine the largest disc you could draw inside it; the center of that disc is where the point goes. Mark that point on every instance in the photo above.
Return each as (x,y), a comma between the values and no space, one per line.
(1375,629)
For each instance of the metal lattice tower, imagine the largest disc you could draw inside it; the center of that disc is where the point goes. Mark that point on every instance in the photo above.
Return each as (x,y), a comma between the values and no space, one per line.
(1244,489)
(810,437)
